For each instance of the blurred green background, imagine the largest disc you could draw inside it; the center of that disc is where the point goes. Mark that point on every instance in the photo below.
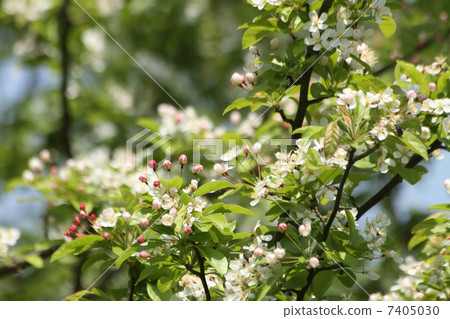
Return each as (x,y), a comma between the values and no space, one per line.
(66,86)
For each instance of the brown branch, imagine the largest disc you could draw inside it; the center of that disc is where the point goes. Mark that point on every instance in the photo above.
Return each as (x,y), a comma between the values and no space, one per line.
(337,202)
(64,28)
(19,265)
(320,99)
(397,179)
(367,153)
(283,116)
(201,274)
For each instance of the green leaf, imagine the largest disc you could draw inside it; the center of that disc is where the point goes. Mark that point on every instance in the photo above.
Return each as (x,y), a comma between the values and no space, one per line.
(409,70)
(414,144)
(411,175)
(347,278)
(321,282)
(212,187)
(125,255)
(440,207)
(368,83)
(148,123)
(255,34)
(34,260)
(351,225)
(331,141)
(245,102)
(174,182)
(156,295)
(270,283)
(77,246)
(215,258)
(225,209)
(442,82)
(164,284)
(298,281)
(312,132)
(128,198)
(388,27)
(318,91)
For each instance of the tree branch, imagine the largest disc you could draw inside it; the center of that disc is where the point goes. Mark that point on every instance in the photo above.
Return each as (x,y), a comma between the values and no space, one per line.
(397,179)
(201,274)
(19,265)
(337,202)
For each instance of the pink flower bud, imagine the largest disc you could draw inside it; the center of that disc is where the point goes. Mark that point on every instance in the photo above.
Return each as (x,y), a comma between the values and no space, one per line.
(83,214)
(53,170)
(141,240)
(93,217)
(411,94)
(145,222)
(188,230)
(73,227)
(237,79)
(173,212)
(144,255)
(143,178)
(156,204)
(79,235)
(82,206)
(68,234)
(254,50)
(282,227)
(256,148)
(107,236)
(246,150)
(126,216)
(279,253)
(235,117)
(249,77)
(183,159)
(422,97)
(76,220)
(313,262)
(152,164)
(197,169)
(432,87)
(45,156)
(167,165)
(156,183)
(258,252)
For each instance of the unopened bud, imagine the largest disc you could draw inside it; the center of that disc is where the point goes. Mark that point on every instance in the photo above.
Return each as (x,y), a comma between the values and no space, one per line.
(145,222)
(167,165)
(314,262)
(197,169)
(82,206)
(141,240)
(144,255)
(249,77)
(126,216)
(411,94)
(282,227)
(422,97)
(79,235)
(188,230)
(156,183)
(156,204)
(45,156)
(183,159)
(173,212)
(256,148)
(68,234)
(254,50)
(152,164)
(279,253)
(258,252)
(73,227)
(246,150)
(83,214)
(432,87)
(237,79)
(77,220)
(235,117)
(143,178)
(107,236)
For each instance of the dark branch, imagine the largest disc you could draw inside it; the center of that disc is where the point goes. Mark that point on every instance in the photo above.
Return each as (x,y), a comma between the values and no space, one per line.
(397,179)
(367,153)
(18,266)
(320,99)
(201,262)
(337,203)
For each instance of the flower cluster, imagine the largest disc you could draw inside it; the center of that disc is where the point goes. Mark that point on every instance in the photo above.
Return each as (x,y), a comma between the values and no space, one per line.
(8,238)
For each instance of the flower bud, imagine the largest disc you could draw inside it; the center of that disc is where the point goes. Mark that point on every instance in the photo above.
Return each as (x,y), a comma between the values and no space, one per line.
(246,150)
(143,178)
(45,155)
(126,216)
(274,43)
(237,79)
(156,204)
(313,262)
(219,169)
(256,148)
(144,255)
(152,164)
(279,253)
(82,206)
(173,212)
(53,170)
(282,227)
(422,97)
(197,169)
(73,227)
(235,117)
(432,87)
(83,214)
(145,222)
(28,176)
(249,77)
(68,234)
(271,258)
(79,235)
(167,164)
(411,94)
(156,183)
(107,236)
(188,230)
(77,220)
(36,164)
(304,230)
(254,50)
(182,159)
(258,252)
(141,240)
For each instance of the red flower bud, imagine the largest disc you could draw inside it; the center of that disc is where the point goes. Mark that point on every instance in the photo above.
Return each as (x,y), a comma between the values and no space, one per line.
(156,183)
(68,234)
(82,206)
(143,178)
(188,230)
(197,169)
(145,222)
(167,165)
(76,220)
(144,255)
(93,217)
(152,164)
(107,236)
(282,227)
(83,214)
(79,235)
(183,159)
(73,227)
(141,240)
